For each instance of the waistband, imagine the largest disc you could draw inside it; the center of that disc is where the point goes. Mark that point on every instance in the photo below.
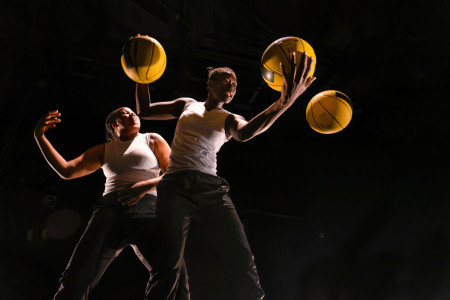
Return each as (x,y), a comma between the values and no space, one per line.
(111,199)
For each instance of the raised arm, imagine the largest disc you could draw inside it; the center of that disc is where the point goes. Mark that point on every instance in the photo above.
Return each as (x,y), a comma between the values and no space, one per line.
(159,110)
(294,85)
(133,194)
(85,164)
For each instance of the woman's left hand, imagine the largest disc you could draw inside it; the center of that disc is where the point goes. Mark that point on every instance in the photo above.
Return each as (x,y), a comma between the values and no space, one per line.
(298,80)
(132,195)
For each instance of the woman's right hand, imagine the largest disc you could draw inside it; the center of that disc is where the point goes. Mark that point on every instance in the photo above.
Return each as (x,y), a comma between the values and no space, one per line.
(46,122)
(137,35)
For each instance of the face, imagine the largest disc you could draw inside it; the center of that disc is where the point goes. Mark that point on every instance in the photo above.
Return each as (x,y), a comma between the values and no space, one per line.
(127,119)
(223,87)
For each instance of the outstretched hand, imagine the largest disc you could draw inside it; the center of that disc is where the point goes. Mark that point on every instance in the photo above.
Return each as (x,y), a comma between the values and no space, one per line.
(298,80)
(46,122)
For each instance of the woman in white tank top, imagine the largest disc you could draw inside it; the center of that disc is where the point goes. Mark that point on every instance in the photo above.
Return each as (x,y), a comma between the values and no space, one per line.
(192,190)
(126,213)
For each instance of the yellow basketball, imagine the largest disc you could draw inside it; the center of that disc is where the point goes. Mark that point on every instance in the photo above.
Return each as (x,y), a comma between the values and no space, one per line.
(143,59)
(280,51)
(329,112)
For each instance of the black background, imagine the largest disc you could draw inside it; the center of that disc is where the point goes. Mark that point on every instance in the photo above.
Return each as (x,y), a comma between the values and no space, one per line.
(360,214)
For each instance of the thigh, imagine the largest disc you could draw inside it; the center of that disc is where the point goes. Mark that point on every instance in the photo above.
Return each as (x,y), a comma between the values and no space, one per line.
(92,254)
(146,240)
(223,227)
(174,211)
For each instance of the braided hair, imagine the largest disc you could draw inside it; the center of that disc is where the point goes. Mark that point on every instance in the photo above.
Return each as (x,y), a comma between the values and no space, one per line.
(214,72)
(111,134)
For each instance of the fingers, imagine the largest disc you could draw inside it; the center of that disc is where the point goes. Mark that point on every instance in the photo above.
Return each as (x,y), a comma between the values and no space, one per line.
(126,198)
(283,70)
(309,62)
(309,65)
(48,121)
(293,65)
(133,201)
(137,35)
(129,202)
(301,71)
(52,118)
(132,37)
(309,81)
(122,197)
(303,68)
(124,201)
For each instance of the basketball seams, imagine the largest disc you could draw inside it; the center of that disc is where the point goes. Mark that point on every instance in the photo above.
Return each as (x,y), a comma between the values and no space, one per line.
(135,51)
(325,113)
(158,73)
(265,66)
(280,73)
(280,51)
(337,96)
(312,113)
(331,115)
(347,105)
(272,84)
(284,54)
(342,96)
(140,62)
(150,60)
(334,119)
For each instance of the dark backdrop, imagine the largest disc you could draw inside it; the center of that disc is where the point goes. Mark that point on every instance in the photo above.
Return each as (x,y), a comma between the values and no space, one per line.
(360,214)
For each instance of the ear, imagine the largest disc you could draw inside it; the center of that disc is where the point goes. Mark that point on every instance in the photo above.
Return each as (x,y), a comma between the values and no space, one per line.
(209,86)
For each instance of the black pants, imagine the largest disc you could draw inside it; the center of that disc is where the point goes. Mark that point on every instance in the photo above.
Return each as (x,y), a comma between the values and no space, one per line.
(185,195)
(111,228)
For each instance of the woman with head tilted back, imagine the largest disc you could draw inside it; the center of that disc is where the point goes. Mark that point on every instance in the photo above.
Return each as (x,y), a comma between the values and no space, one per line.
(126,213)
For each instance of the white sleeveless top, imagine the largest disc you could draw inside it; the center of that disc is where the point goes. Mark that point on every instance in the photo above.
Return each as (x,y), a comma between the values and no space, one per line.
(127,162)
(198,137)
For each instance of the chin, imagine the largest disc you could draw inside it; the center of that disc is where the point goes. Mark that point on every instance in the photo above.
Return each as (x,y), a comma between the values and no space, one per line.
(229,100)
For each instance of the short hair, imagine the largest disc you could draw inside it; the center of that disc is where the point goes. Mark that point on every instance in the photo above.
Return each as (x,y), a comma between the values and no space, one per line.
(214,72)
(111,134)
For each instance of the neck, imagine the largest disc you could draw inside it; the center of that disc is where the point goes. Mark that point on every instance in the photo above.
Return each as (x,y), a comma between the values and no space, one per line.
(128,136)
(212,103)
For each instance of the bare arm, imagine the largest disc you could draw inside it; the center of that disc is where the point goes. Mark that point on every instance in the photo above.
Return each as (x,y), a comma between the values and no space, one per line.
(85,164)
(293,86)
(132,195)
(160,110)
(161,150)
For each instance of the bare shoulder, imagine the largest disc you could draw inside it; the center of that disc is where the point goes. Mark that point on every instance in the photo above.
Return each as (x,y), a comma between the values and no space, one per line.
(156,137)
(238,117)
(234,118)
(157,141)
(96,152)
(98,149)
(186,100)
(232,123)
(178,105)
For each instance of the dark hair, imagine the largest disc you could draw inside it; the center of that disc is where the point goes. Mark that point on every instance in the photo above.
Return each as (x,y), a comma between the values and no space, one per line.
(111,134)
(214,72)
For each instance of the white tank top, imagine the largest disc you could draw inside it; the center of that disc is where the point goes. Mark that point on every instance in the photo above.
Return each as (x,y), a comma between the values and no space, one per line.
(127,162)
(198,137)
